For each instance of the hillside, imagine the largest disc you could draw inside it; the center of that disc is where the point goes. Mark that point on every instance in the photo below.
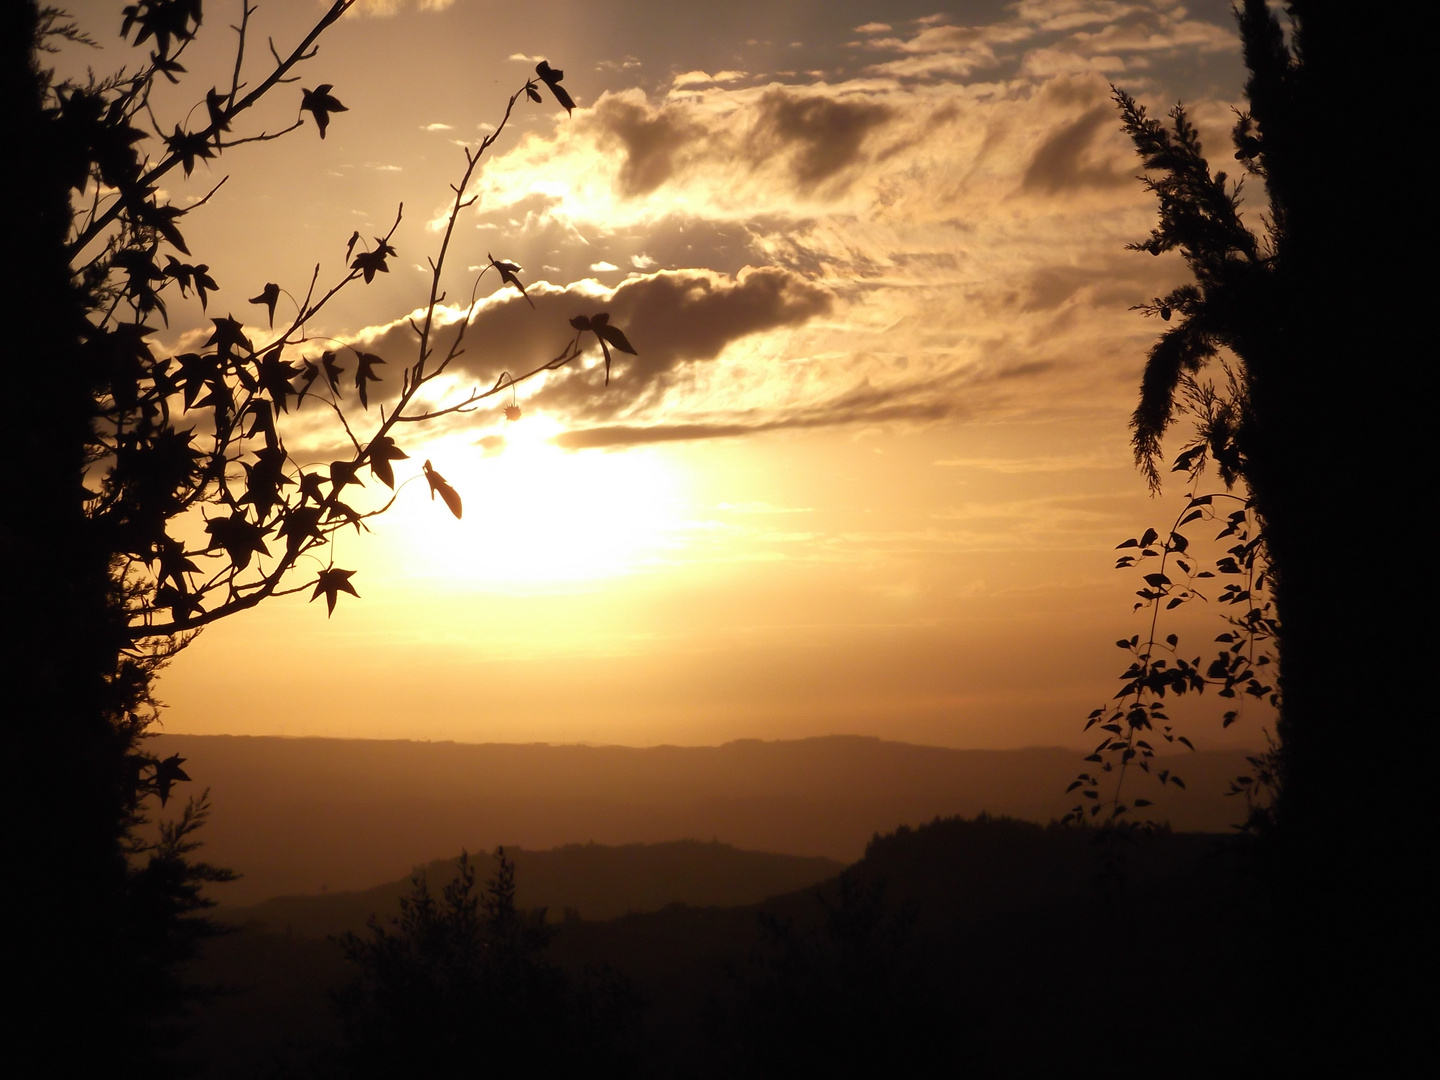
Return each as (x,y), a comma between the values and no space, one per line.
(302,816)
(590,881)
(996,946)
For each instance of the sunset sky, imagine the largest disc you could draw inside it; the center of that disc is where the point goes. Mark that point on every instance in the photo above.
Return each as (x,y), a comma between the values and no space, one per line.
(868,471)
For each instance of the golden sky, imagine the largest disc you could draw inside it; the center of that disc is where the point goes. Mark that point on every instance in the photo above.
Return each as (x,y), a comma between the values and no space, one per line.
(868,470)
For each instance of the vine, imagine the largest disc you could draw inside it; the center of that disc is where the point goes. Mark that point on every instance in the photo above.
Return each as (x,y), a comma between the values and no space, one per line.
(1243,667)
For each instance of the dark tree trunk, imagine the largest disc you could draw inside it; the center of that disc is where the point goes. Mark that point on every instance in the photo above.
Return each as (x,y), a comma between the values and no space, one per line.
(69,973)
(1335,392)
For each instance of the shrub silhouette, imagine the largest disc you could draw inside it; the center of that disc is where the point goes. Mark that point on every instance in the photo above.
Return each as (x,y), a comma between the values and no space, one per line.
(460,986)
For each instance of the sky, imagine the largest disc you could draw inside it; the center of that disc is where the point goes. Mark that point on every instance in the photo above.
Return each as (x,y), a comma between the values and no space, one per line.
(868,470)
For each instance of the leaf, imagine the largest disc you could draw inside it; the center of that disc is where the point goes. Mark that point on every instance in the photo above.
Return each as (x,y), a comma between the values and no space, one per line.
(215,106)
(1149,538)
(268,296)
(381,452)
(320,104)
(168,773)
(439,483)
(551,77)
(300,524)
(333,370)
(507,275)
(365,374)
(239,538)
(373,262)
(274,377)
(332,582)
(1143,802)
(188,146)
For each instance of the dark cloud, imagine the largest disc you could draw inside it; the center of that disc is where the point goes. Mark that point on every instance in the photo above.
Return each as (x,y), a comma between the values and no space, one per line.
(926,402)
(822,136)
(650,141)
(675,319)
(1061,162)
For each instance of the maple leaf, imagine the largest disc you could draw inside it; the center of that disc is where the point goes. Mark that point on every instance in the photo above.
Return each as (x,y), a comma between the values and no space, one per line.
(350,244)
(342,473)
(264,478)
(371,263)
(381,452)
(203,281)
(274,378)
(308,374)
(300,525)
(310,487)
(174,268)
(332,583)
(151,215)
(239,538)
(365,374)
(262,421)
(268,296)
(227,334)
(507,275)
(168,67)
(333,370)
(174,563)
(551,77)
(168,773)
(188,146)
(215,106)
(196,372)
(439,483)
(320,104)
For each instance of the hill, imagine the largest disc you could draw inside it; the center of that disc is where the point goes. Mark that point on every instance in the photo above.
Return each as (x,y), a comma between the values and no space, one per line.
(986,947)
(590,881)
(301,816)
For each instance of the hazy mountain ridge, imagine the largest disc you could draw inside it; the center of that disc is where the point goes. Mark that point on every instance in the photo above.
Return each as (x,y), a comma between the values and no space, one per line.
(295,816)
(591,881)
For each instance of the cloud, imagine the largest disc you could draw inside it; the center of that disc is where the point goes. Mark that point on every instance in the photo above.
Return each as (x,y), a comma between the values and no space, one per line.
(675,319)
(1062,162)
(386,8)
(820,135)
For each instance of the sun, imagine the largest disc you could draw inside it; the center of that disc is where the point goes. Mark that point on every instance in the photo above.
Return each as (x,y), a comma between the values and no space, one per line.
(533,514)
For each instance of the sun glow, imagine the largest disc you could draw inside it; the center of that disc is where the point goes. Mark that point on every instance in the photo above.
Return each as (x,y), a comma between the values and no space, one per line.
(533,513)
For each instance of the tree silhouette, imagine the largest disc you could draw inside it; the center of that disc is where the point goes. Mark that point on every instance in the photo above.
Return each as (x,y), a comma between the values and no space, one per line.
(1288,348)
(459,986)
(150,495)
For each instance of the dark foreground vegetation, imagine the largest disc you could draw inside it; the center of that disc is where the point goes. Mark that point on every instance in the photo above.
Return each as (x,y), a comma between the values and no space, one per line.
(982,947)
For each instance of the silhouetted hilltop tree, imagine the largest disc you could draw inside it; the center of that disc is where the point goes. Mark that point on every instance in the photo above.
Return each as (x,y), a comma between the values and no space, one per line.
(150,495)
(1290,349)
(460,986)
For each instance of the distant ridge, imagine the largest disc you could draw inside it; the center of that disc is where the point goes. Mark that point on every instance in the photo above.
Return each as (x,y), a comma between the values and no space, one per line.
(593,881)
(298,814)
